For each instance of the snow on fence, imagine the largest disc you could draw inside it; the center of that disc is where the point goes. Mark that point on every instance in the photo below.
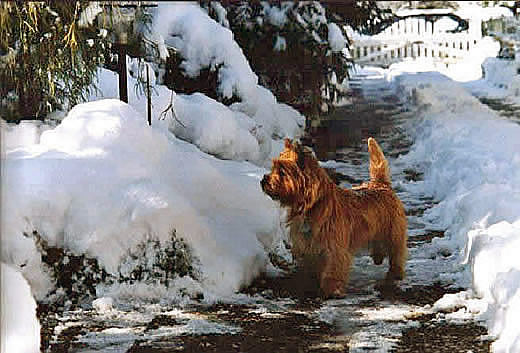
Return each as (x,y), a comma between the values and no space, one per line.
(416,38)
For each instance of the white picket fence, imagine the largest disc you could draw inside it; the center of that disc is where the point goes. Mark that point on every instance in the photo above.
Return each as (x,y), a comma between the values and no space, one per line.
(416,38)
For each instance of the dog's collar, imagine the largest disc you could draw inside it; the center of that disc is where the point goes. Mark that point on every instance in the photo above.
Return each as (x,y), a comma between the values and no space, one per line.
(306,229)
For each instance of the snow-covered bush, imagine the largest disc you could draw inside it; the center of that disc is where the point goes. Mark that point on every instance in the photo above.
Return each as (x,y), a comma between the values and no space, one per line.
(76,276)
(297,48)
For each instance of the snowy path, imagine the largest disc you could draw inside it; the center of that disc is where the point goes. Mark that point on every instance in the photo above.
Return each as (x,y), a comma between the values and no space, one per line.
(275,317)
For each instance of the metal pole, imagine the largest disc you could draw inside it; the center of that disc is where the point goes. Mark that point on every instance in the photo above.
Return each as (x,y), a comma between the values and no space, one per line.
(149,96)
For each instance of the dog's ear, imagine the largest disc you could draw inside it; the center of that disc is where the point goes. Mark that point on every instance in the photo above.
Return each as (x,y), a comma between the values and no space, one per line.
(288,143)
(301,156)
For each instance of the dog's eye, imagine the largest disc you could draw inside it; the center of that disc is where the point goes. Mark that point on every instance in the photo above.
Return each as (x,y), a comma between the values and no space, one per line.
(282,173)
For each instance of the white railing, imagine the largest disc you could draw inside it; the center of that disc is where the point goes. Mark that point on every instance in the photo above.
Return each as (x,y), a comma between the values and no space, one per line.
(415,38)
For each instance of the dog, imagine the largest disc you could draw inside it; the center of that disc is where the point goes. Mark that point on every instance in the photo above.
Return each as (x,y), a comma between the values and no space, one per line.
(329,224)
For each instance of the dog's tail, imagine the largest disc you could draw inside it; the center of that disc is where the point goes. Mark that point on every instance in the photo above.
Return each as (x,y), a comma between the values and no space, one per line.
(379,170)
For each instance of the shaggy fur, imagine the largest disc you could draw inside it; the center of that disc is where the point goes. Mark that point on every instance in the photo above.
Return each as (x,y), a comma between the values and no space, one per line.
(329,224)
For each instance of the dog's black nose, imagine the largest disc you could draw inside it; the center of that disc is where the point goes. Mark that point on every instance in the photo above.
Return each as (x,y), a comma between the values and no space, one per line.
(263,181)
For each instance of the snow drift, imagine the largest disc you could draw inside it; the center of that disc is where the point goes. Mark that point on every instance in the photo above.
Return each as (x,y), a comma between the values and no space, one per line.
(471,162)
(103,180)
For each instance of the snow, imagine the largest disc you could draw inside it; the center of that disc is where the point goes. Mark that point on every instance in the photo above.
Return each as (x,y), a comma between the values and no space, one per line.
(467,70)
(25,133)
(103,304)
(471,11)
(277,16)
(89,14)
(226,132)
(280,44)
(186,27)
(501,80)
(336,38)
(121,182)
(221,13)
(20,328)
(466,9)
(471,163)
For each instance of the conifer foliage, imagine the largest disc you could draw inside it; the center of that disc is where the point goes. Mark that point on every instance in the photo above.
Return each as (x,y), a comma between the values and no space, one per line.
(299,49)
(49,52)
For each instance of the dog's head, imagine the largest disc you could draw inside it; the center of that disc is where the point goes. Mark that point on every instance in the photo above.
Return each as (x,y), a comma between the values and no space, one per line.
(296,179)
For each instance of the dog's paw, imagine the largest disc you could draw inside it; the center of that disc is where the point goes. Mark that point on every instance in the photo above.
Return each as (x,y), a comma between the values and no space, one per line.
(395,275)
(332,288)
(378,258)
(337,294)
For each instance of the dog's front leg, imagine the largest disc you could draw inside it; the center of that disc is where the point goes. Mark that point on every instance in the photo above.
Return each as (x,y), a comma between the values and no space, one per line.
(334,275)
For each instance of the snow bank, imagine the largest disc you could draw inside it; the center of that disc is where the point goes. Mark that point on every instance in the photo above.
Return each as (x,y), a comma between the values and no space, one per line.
(103,181)
(501,80)
(215,128)
(20,328)
(25,133)
(471,162)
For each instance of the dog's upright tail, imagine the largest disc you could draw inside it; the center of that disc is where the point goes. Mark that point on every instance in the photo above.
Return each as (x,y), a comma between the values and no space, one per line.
(379,170)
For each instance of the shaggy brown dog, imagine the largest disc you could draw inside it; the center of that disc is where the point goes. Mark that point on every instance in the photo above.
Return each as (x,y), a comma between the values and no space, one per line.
(329,224)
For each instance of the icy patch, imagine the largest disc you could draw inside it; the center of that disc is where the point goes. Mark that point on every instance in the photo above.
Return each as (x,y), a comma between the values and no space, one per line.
(123,328)
(376,329)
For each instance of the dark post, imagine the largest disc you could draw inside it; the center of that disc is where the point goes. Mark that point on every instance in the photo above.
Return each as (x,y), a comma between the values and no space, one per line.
(149,96)
(121,68)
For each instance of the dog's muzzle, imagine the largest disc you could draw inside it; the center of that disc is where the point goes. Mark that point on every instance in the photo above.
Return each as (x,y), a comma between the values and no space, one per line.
(264,182)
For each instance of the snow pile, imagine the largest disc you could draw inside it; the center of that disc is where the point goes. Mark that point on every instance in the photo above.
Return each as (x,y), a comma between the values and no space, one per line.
(20,328)
(216,129)
(250,130)
(501,80)
(213,127)
(471,163)
(27,132)
(122,182)
(187,28)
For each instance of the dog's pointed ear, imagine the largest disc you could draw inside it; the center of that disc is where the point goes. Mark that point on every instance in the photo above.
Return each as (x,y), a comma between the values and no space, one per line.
(288,143)
(301,156)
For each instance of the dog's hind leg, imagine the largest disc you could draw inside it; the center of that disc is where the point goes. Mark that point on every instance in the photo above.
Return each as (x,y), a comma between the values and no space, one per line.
(378,251)
(398,251)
